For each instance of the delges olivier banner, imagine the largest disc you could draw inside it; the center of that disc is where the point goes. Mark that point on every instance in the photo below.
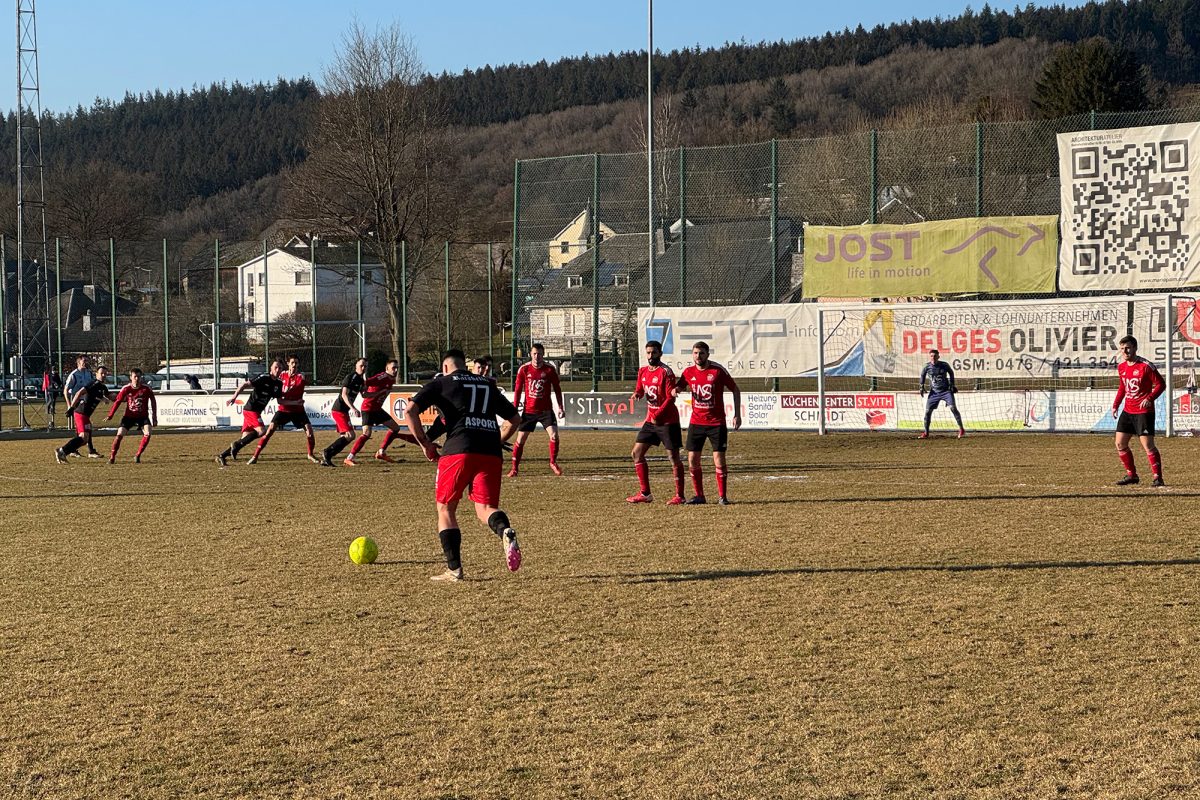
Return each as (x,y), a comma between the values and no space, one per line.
(1014,255)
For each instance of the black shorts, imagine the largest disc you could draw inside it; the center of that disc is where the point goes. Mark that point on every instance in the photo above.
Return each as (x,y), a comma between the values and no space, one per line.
(717,434)
(134,423)
(669,436)
(376,417)
(297,419)
(530,420)
(1136,424)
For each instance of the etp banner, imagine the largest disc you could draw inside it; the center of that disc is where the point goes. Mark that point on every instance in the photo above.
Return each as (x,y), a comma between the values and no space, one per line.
(1015,255)
(762,341)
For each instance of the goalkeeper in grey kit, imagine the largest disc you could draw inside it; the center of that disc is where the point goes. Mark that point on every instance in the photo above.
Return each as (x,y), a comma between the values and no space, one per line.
(941,390)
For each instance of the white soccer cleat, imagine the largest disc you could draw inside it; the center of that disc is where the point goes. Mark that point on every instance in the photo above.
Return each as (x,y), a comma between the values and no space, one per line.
(449,576)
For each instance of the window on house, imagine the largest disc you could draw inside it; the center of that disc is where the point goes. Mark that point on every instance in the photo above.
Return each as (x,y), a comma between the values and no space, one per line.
(250,311)
(261,278)
(620,280)
(303,278)
(303,310)
(564,247)
(574,281)
(250,289)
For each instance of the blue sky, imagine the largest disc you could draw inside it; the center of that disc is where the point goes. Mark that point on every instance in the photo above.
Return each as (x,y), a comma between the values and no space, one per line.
(91,49)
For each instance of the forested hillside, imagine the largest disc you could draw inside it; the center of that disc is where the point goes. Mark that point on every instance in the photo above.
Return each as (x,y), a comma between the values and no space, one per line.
(214,161)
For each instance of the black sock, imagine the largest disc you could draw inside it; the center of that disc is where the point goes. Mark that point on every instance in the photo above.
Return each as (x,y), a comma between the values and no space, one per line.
(242,442)
(73,445)
(452,547)
(336,447)
(498,521)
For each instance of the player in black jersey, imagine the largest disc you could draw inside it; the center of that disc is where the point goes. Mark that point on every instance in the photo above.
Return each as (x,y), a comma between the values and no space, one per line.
(343,407)
(83,403)
(471,456)
(263,390)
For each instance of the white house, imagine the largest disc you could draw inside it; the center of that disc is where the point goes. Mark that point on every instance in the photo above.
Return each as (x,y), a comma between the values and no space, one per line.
(295,278)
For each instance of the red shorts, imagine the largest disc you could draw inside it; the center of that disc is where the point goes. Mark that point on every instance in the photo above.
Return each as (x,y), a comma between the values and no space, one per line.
(250,420)
(342,421)
(83,423)
(479,472)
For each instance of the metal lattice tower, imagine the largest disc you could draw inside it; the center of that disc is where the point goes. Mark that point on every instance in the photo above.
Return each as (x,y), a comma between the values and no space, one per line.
(33,286)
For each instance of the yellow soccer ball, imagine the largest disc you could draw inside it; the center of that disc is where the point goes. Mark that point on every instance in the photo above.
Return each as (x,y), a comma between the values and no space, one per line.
(363,550)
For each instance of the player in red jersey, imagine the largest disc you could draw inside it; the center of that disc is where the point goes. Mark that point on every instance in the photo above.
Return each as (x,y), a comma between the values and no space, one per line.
(471,456)
(1140,386)
(708,381)
(375,394)
(657,383)
(533,385)
(290,411)
(141,411)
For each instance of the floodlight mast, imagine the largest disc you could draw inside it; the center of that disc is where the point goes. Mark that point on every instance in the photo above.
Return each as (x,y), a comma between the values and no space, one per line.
(34,347)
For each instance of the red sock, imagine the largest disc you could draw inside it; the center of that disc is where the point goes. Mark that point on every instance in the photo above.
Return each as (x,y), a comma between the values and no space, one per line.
(698,481)
(516,456)
(116,446)
(553,451)
(1155,463)
(142,446)
(721,482)
(261,444)
(1126,457)
(643,475)
(311,444)
(358,445)
(387,439)
(679,480)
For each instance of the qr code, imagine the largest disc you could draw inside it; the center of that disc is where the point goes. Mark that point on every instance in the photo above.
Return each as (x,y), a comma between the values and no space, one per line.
(1131,208)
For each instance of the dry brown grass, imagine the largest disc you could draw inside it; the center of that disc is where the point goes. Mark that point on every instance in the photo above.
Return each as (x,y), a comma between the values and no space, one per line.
(876,617)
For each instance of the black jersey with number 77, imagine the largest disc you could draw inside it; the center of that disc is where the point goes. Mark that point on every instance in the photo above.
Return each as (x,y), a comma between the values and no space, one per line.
(470,404)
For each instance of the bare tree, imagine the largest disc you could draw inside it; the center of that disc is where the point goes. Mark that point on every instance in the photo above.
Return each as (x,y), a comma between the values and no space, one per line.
(379,164)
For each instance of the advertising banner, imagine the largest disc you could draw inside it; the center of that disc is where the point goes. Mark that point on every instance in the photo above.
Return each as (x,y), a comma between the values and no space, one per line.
(1129,215)
(1016,255)
(762,341)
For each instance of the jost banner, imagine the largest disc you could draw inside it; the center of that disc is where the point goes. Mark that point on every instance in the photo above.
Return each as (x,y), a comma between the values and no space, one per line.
(1015,255)
(1129,213)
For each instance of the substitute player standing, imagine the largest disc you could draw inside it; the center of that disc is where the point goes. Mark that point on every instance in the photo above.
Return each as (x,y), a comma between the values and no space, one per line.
(1140,385)
(84,401)
(375,393)
(141,411)
(657,383)
(263,390)
(343,407)
(941,390)
(534,383)
(291,410)
(708,382)
(470,458)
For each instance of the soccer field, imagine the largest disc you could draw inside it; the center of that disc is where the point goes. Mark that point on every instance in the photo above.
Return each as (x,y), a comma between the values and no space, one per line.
(875,616)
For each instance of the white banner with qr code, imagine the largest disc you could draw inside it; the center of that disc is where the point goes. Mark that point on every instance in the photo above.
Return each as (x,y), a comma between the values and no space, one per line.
(1129,220)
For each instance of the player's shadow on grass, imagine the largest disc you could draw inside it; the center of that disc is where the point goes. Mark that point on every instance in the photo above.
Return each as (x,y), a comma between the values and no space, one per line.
(1124,497)
(86,495)
(726,574)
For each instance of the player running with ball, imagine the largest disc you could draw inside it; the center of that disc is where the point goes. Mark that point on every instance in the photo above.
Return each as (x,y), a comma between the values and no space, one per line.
(1140,386)
(470,458)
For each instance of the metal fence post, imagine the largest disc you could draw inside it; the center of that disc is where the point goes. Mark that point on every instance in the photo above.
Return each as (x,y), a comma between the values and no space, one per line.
(58,302)
(1169,324)
(491,323)
(217,313)
(112,299)
(682,226)
(362,333)
(266,306)
(979,169)
(594,234)
(516,270)
(166,313)
(874,205)
(820,372)
(312,294)
(774,235)
(403,355)
(446,260)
